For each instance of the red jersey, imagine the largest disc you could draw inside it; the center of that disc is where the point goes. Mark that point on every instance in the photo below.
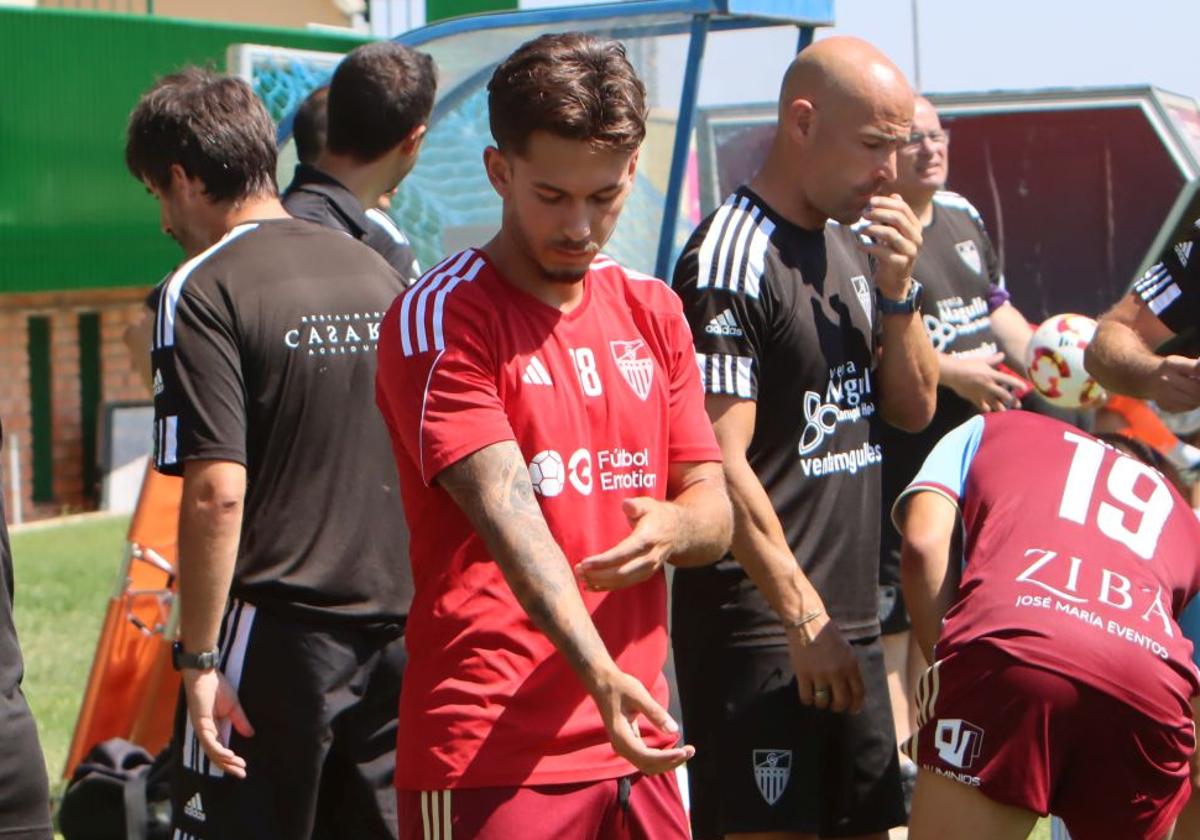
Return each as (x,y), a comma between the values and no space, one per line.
(1078,558)
(600,400)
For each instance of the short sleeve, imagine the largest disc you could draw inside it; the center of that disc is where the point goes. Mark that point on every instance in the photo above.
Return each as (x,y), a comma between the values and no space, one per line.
(945,469)
(728,317)
(691,433)
(1171,287)
(438,390)
(199,393)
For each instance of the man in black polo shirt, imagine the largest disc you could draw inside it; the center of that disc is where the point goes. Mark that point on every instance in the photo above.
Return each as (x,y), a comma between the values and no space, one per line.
(24,792)
(804,349)
(1164,303)
(974,328)
(375,114)
(264,368)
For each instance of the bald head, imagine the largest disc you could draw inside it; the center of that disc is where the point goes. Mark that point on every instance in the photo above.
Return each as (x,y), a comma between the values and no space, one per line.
(844,110)
(845,70)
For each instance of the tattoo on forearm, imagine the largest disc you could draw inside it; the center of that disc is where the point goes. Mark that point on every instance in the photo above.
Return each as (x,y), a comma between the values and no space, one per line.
(493,489)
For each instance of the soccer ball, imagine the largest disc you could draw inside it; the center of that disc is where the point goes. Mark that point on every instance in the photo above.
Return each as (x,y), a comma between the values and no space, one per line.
(546,471)
(1054,361)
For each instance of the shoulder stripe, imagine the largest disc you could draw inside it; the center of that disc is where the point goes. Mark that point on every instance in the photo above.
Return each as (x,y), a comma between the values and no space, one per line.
(717,229)
(421,291)
(389,227)
(733,253)
(421,327)
(439,338)
(953,200)
(164,332)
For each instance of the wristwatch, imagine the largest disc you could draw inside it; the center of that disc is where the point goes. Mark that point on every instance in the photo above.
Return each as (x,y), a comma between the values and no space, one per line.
(202,661)
(910,304)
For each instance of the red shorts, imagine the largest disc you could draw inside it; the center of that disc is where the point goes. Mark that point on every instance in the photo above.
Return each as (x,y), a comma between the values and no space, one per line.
(1034,739)
(630,808)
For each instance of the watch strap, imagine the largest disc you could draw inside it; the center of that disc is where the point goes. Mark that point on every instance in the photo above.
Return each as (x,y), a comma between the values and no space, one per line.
(908,306)
(202,661)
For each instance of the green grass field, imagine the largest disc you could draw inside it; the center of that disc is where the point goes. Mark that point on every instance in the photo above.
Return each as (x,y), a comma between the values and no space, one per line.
(63,577)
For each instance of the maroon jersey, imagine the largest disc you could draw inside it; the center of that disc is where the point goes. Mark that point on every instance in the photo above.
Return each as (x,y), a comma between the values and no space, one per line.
(601,400)
(1078,558)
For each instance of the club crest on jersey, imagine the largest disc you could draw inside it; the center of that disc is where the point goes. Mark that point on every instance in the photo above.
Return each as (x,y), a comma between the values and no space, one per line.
(863,289)
(637,367)
(970,255)
(771,771)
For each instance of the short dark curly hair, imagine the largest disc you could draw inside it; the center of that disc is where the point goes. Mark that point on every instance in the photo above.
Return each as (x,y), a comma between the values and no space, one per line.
(211,125)
(571,85)
(379,93)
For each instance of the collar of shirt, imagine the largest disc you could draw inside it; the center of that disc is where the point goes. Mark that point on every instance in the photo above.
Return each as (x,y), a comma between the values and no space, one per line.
(341,201)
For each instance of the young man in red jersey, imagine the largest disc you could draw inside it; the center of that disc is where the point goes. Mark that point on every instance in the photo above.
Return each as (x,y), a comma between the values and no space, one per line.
(1062,681)
(549,427)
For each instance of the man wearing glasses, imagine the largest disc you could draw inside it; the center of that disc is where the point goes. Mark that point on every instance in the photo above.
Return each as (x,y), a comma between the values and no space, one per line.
(974,328)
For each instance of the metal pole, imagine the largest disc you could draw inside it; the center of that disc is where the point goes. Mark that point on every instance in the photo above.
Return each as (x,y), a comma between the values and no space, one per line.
(916,38)
(14,476)
(683,145)
(806,38)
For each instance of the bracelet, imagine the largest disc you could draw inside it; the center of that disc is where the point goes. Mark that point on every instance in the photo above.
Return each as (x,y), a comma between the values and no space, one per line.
(804,619)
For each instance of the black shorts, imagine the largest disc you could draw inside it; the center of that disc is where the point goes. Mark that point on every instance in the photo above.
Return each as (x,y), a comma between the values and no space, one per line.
(765,762)
(322,699)
(24,790)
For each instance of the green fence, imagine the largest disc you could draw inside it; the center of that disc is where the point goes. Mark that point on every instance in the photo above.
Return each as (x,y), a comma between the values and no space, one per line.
(71,217)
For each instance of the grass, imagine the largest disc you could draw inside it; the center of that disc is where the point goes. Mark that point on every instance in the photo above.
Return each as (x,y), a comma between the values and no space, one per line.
(63,578)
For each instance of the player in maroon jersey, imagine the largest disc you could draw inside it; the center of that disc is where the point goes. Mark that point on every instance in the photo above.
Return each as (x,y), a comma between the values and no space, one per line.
(1062,682)
(549,428)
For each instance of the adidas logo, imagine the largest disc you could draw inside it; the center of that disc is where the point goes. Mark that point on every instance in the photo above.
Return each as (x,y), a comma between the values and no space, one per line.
(536,373)
(158,382)
(724,324)
(194,808)
(1184,251)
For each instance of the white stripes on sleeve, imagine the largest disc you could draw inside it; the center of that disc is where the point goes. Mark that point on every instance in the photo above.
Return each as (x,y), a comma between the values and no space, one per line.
(723,373)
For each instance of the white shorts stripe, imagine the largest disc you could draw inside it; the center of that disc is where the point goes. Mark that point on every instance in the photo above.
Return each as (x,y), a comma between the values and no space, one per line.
(435,822)
(425,815)
(447,830)
(170,450)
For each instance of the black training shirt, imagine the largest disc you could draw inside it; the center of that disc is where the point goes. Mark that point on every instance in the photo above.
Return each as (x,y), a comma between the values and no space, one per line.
(784,316)
(958,268)
(264,354)
(1171,287)
(323,199)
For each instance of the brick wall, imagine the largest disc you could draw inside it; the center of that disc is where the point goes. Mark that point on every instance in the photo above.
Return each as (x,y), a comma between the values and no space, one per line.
(117,309)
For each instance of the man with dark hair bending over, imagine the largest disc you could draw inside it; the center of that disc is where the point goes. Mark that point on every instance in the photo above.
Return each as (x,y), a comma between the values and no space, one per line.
(549,427)
(292,584)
